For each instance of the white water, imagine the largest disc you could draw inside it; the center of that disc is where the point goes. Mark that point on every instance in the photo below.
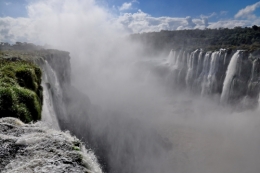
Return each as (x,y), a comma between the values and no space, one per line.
(51,87)
(46,150)
(172,58)
(231,71)
(191,66)
(48,114)
(214,63)
(205,73)
(200,64)
(254,70)
(52,90)
(210,78)
(179,59)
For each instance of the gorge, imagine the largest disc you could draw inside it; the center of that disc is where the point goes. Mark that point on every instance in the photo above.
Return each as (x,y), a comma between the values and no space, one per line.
(119,90)
(173,112)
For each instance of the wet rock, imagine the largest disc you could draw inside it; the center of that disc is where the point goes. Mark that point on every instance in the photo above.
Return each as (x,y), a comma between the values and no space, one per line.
(35,148)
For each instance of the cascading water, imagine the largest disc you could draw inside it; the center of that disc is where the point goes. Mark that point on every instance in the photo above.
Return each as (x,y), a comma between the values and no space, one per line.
(209,84)
(213,67)
(200,64)
(176,64)
(52,93)
(48,114)
(43,150)
(181,66)
(172,57)
(54,111)
(49,79)
(231,71)
(210,73)
(254,74)
(192,63)
(205,72)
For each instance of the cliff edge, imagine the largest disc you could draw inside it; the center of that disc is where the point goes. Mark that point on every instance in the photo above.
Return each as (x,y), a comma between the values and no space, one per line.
(29,92)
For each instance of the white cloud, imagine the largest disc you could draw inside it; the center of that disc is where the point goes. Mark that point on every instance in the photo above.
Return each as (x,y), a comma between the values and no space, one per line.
(229,24)
(223,13)
(8,3)
(143,22)
(49,18)
(42,24)
(247,12)
(125,6)
(140,21)
(208,16)
(14,29)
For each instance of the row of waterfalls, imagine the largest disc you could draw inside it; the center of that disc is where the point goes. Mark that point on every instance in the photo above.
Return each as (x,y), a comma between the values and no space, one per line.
(233,75)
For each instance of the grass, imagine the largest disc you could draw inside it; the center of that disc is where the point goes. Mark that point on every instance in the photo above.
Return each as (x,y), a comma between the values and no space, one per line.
(20,89)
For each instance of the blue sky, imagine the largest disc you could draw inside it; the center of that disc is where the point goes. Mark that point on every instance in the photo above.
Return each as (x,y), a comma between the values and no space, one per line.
(223,9)
(13,8)
(183,8)
(20,18)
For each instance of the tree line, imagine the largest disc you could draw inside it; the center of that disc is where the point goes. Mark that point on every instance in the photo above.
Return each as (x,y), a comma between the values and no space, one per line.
(247,38)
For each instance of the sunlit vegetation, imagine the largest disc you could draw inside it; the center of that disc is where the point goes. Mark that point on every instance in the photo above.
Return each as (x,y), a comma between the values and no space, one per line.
(20,89)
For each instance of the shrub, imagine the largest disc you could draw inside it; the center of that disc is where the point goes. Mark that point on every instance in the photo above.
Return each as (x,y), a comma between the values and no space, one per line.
(20,90)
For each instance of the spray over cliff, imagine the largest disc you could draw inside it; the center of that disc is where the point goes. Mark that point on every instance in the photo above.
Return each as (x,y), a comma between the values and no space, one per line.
(166,108)
(30,90)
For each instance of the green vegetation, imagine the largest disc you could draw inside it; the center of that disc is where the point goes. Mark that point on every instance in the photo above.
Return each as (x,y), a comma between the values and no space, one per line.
(208,39)
(76,145)
(20,89)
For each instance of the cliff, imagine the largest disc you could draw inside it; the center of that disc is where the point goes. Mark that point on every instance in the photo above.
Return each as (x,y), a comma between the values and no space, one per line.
(33,85)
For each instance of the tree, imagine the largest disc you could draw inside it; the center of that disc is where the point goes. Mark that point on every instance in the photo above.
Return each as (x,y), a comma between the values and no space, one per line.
(255,27)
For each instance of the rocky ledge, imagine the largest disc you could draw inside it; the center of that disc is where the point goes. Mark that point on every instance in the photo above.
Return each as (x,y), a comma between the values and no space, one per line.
(36,148)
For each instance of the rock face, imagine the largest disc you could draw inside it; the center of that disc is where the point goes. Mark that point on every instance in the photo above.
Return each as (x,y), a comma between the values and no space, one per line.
(36,148)
(56,69)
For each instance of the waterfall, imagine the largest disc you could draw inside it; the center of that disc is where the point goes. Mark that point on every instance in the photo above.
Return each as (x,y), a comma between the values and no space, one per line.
(209,84)
(255,69)
(178,62)
(218,72)
(54,110)
(205,72)
(231,71)
(192,63)
(48,113)
(52,96)
(172,57)
(181,66)
(200,64)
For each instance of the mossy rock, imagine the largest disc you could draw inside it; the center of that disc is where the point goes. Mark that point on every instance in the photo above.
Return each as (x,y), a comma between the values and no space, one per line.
(20,90)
